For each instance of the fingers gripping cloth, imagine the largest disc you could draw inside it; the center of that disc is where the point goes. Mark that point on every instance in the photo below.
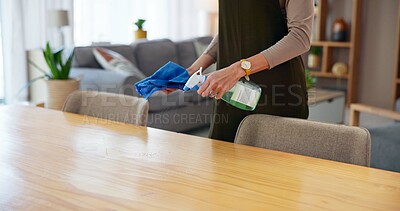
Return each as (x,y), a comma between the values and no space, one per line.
(171,75)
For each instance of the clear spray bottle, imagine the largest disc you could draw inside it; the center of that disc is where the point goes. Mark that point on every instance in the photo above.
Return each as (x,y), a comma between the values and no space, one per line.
(244,95)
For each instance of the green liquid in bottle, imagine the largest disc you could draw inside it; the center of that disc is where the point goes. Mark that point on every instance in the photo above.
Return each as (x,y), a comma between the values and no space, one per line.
(244,95)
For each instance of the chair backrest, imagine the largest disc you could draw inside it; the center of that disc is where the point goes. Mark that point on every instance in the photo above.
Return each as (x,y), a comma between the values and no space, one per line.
(332,142)
(120,108)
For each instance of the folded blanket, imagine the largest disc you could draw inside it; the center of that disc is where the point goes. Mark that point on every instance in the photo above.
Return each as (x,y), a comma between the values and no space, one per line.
(170,75)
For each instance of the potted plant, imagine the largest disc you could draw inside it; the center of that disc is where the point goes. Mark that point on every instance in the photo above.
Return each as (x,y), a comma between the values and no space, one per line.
(140,33)
(314,58)
(310,80)
(59,84)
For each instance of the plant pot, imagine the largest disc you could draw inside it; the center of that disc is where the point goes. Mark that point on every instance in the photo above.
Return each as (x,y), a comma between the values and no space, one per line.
(58,91)
(140,34)
(314,61)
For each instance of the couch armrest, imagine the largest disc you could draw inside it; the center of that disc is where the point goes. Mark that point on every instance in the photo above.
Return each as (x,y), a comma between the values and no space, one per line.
(105,81)
(355,110)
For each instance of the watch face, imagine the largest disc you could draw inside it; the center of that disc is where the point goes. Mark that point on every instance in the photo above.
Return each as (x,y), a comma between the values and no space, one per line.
(246,65)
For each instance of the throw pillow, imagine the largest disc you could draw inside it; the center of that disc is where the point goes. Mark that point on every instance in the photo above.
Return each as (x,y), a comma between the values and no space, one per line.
(113,61)
(200,48)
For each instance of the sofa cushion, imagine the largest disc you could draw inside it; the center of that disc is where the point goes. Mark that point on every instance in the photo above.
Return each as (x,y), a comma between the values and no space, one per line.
(83,56)
(161,102)
(151,55)
(113,61)
(186,53)
(200,48)
(204,40)
(105,81)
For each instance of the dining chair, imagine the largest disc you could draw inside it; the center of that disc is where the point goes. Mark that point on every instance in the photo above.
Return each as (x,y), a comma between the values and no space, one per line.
(110,106)
(326,141)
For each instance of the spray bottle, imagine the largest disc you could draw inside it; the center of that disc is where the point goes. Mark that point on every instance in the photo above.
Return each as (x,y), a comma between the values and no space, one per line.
(244,95)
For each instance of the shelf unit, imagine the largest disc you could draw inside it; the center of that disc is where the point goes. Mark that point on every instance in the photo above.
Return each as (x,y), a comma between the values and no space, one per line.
(329,46)
(396,86)
(328,75)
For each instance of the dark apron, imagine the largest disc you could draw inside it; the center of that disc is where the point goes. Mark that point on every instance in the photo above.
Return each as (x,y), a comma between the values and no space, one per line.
(246,28)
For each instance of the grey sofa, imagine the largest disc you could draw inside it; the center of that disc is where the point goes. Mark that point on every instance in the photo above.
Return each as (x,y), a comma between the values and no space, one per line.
(178,111)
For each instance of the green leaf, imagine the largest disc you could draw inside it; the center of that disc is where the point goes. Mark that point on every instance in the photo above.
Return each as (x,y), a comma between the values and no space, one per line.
(68,64)
(51,61)
(310,80)
(314,50)
(59,70)
(140,23)
(49,64)
(59,63)
(49,57)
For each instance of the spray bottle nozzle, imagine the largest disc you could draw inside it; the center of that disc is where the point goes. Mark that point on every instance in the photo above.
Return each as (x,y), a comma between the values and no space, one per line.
(195,81)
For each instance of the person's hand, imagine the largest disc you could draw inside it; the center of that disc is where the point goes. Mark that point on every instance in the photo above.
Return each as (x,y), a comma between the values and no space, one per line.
(169,90)
(221,81)
(204,61)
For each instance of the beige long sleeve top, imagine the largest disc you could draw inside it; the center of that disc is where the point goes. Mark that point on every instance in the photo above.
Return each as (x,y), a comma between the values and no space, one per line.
(300,16)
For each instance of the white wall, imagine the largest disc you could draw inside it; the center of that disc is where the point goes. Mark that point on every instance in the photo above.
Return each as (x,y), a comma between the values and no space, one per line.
(377,53)
(112,21)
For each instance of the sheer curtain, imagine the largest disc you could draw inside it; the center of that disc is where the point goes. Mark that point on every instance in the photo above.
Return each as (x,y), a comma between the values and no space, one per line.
(112,21)
(1,68)
(24,27)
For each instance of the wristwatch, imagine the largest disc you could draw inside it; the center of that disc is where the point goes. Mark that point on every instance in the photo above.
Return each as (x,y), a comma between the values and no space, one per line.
(246,66)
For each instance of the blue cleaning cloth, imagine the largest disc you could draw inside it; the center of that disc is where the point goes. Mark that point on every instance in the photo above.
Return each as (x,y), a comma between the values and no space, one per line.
(170,75)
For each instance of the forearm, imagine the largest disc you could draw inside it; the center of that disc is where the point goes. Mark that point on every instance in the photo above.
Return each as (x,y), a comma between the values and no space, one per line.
(205,60)
(258,63)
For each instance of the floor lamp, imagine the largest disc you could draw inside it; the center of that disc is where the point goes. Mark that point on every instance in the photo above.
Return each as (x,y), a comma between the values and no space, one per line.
(59,19)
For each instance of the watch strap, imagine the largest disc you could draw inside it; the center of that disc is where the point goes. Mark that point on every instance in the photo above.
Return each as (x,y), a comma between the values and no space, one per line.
(247,71)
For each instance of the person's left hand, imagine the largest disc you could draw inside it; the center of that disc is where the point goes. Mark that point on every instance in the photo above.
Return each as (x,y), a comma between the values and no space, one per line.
(221,81)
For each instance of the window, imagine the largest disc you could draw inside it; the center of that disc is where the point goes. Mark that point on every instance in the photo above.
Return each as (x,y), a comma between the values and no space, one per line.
(1,70)
(113,21)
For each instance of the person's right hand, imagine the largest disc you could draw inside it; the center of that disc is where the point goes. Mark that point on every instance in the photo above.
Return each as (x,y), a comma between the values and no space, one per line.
(204,61)
(170,90)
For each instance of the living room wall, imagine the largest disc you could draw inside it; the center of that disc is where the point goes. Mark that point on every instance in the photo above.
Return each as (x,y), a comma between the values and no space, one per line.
(379,35)
(377,53)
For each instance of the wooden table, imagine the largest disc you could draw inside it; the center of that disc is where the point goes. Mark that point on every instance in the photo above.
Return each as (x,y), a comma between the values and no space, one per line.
(51,160)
